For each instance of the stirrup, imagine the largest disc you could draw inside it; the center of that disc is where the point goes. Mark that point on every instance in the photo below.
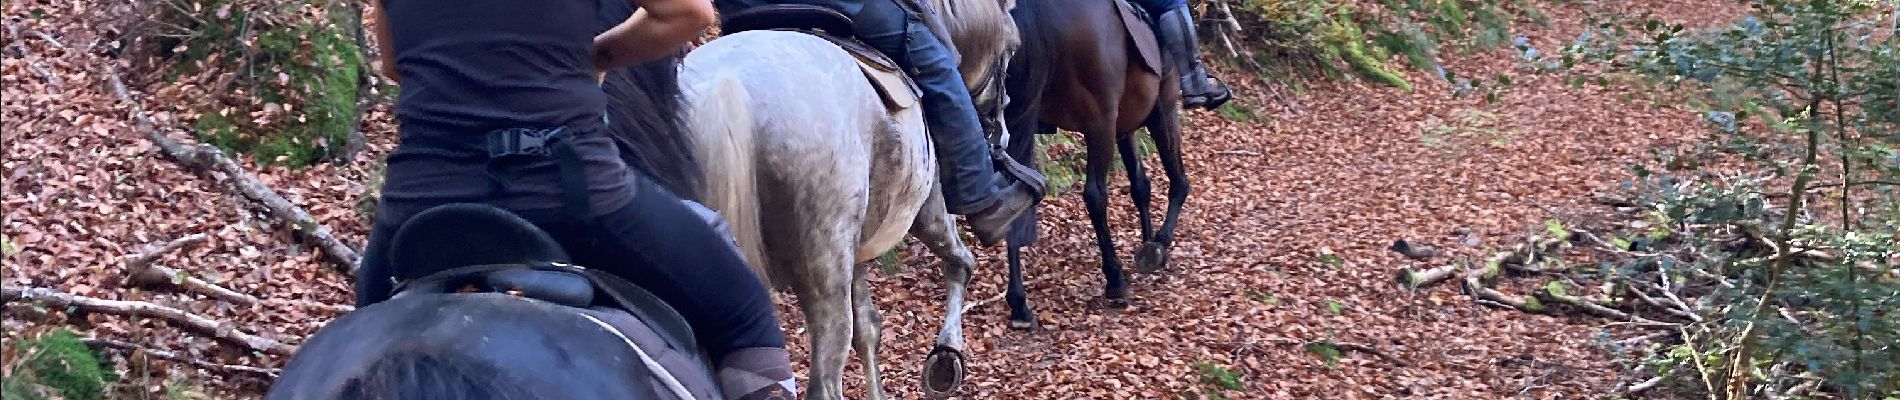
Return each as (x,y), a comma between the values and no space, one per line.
(1037,184)
(1211,101)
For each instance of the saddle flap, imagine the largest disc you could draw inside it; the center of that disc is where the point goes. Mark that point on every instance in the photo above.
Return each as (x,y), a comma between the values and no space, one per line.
(450,236)
(1141,35)
(788,16)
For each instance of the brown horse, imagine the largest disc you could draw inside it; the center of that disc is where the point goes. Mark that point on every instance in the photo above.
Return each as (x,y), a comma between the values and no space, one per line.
(1091,67)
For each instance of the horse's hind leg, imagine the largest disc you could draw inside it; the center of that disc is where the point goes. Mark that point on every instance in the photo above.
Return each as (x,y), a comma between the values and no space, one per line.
(1101,142)
(1164,126)
(943,368)
(1138,189)
(868,330)
(826,299)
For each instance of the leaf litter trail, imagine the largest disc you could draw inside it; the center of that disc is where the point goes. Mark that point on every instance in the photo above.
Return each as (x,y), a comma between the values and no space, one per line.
(1340,169)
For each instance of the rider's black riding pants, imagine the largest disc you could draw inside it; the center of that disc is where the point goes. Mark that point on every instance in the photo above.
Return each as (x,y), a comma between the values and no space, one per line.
(655,242)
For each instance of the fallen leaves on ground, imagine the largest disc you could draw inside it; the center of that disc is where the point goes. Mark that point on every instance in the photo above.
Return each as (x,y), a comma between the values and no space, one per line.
(1284,241)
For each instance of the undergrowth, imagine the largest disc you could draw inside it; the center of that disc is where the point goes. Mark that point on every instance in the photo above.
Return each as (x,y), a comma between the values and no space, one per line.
(1783,277)
(1293,40)
(279,78)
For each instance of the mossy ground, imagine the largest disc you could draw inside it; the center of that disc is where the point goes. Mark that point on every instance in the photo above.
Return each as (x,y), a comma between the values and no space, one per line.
(56,365)
(299,81)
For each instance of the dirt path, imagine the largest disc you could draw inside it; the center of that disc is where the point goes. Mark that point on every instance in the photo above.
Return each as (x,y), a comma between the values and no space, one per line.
(1342,168)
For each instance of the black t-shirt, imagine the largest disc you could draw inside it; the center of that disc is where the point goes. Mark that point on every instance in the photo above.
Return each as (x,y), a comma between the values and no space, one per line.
(469,67)
(479,65)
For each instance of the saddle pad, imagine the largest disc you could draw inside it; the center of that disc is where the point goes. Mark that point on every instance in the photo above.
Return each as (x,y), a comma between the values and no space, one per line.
(893,86)
(1142,35)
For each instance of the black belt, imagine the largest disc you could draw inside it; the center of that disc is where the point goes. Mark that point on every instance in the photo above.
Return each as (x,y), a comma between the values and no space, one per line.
(503,144)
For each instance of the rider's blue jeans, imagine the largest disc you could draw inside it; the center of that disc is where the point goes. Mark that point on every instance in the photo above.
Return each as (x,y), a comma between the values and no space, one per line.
(970,183)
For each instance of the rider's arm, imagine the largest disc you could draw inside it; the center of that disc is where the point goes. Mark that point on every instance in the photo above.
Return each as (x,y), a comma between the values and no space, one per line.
(385,46)
(656,29)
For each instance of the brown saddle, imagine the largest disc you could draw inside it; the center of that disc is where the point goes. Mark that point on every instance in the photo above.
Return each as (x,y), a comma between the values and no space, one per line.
(893,86)
(1141,35)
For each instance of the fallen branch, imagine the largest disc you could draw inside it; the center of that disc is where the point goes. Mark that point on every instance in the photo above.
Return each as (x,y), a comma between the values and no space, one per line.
(153,276)
(140,272)
(1474,286)
(1368,349)
(979,303)
(1674,308)
(196,323)
(342,258)
(1417,279)
(133,350)
(1555,294)
(333,308)
(1646,384)
(51,78)
(1237,153)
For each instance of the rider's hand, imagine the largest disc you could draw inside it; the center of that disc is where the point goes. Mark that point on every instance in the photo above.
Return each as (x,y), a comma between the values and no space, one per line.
(656,29)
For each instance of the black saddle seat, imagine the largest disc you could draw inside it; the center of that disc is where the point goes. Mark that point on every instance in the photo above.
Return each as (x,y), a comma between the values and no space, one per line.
(788,16)
(477,247)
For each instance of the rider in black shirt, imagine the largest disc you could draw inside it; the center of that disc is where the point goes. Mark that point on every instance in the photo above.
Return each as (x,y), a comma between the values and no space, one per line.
(475,70)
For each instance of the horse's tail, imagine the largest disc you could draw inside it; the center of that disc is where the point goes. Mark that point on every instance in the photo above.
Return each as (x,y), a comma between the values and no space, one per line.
(722,116)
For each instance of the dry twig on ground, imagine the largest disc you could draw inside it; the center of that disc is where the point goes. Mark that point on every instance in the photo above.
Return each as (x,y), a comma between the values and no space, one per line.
(133,350)
(140,271)
(196,323)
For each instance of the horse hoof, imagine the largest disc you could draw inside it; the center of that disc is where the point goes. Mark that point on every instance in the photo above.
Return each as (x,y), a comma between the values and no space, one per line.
(1022,324)
(943,372)
(1152,257)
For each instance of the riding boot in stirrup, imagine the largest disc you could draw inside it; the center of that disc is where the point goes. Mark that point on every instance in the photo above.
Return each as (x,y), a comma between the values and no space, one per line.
(1197,91)
(1023,187)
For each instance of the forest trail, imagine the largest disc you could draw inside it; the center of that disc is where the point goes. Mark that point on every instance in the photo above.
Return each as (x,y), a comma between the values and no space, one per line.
(1284,241)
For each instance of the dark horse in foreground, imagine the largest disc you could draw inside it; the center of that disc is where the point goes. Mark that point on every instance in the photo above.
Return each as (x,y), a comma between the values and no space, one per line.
(1089,67)
(497,316)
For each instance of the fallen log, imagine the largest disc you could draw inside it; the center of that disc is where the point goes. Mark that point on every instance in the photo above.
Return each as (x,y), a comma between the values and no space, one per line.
(1414,280)
(192,322)
(134,350)
(342,257)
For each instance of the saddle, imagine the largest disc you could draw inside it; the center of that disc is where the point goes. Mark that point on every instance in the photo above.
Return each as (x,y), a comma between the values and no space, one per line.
(893,86)
(1141,34)
(465,247)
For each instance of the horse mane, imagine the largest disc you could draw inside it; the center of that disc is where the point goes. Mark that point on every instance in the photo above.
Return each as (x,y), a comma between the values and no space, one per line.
(644,115)
(980,30)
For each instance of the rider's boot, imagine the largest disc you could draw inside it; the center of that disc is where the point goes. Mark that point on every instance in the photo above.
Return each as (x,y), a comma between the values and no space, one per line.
(974,185)
(1198,90)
